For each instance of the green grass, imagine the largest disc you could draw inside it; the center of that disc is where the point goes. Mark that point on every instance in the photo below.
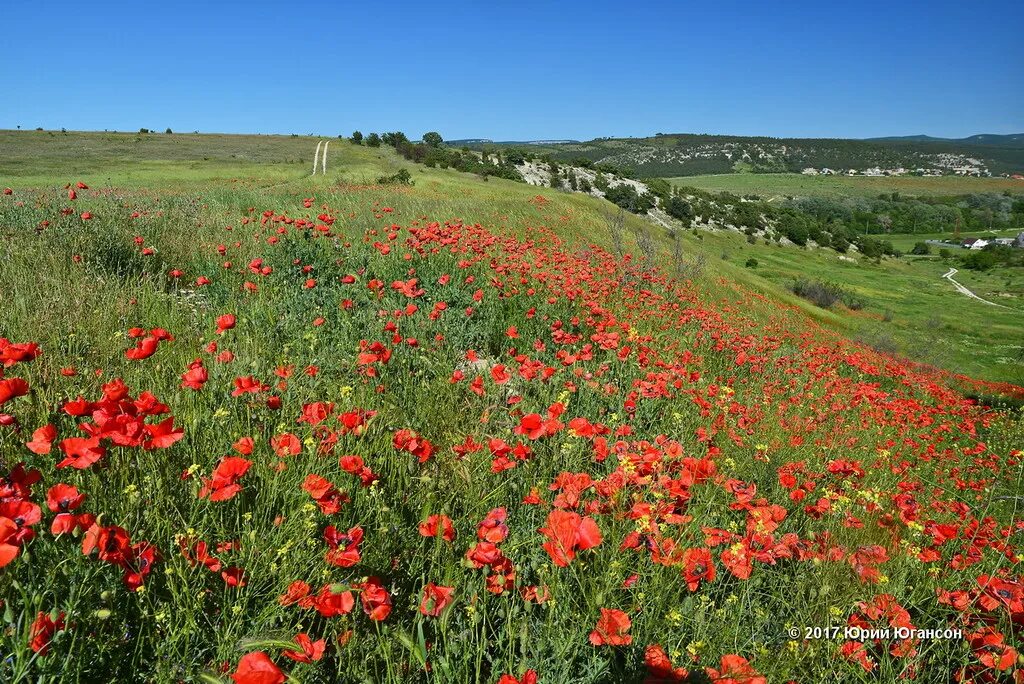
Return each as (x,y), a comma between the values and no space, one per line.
(910,309)
(795,184)
(727,371)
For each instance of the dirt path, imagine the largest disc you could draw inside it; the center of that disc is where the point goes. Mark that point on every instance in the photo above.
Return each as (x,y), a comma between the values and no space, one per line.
(949,276)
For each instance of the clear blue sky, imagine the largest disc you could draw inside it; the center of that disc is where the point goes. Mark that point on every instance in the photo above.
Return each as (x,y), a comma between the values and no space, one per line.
(516,69)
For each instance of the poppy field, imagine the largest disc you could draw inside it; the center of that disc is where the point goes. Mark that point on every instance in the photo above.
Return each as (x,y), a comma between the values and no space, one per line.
(333,431)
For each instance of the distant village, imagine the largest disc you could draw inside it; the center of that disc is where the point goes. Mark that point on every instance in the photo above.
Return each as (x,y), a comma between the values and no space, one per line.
(976,244)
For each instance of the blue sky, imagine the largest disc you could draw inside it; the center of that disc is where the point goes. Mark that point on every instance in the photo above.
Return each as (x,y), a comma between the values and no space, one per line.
(516,70)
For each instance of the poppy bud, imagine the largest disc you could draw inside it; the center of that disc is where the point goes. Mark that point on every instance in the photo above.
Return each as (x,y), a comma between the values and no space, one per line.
(102,614)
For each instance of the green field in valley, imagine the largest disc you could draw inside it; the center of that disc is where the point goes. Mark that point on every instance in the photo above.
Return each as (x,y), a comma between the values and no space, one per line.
(796,184)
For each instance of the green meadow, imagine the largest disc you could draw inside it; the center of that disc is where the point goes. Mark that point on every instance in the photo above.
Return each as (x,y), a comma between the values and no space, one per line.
(796,184)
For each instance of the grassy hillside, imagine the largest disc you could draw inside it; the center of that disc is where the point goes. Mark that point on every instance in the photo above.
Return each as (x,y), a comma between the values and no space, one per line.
(977,341)
(270,426)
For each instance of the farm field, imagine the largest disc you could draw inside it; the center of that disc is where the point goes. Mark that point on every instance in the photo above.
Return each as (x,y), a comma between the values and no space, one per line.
(258,425)
(797,184)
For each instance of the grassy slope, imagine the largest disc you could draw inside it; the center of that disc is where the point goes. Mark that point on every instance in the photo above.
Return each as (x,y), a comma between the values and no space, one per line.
(931,321)
(80,314)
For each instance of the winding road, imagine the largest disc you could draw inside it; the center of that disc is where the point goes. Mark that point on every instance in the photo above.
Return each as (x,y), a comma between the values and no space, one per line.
(949,276)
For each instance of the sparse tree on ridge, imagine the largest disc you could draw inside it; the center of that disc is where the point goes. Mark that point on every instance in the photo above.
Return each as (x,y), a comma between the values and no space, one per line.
(432,139)
(356,138)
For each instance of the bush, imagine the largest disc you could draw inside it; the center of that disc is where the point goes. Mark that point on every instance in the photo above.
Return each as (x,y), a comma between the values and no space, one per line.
(825,294)
(356,138)
(403,177)
(679,208)
(751,263)
(921,248)
(373,140)
(628,198)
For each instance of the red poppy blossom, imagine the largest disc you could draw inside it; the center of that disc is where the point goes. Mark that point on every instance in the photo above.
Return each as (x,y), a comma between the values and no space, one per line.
(435,599)
(611,629)
(257,668)
(43,630)
(309,651)
(568,532)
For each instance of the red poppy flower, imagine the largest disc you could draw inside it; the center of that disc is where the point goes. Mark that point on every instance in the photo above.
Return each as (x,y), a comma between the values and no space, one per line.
(297,591)
(286,444)
(42,631)
(161,435)
(735,670)
(62,499)
(223,484)
(568,532)
(42,440)
(81,452)
(407,440)
(435,599)
(195,377)
(9,543)
(330,603)
(375,599)
(611,629)
(493,528)
(12,388)
(311,651)
(434,523)
(257,668)
(698,566)
(225,322)
(529,677)
(344,548)
(233,576)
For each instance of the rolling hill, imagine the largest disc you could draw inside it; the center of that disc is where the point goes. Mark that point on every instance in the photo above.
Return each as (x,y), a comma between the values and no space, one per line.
(685,154)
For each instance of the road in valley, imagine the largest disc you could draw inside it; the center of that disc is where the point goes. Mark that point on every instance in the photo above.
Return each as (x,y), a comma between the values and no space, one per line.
(949,276)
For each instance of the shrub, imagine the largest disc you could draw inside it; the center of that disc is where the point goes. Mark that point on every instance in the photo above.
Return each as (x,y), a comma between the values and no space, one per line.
(356,138)
(826,295)
(679,208)
(921,248)
(628,198)
(751,263)
(373,140)
(403,177)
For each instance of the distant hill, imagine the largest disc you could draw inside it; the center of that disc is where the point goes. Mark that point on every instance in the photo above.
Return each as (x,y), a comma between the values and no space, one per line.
(1014,140)
(687,154)
(487,141)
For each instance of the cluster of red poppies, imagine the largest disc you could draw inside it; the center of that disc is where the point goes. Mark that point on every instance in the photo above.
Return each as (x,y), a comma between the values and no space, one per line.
(784,435)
